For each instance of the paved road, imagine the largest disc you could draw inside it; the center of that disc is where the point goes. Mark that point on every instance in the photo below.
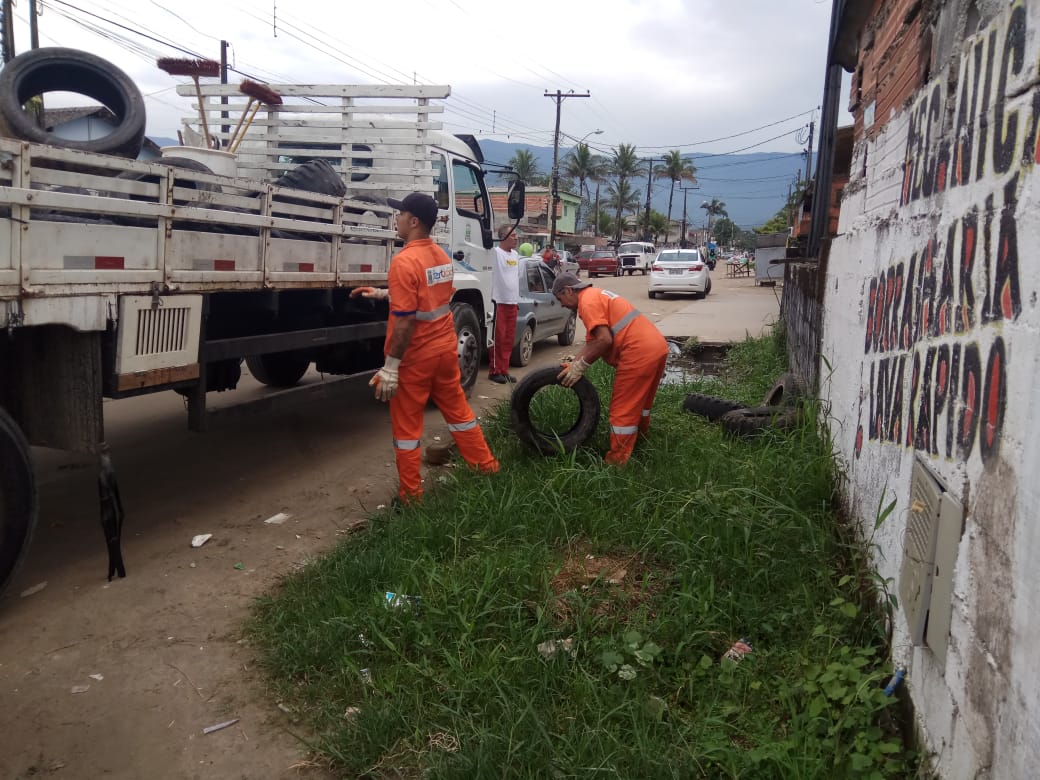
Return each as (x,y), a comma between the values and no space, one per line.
(165,640)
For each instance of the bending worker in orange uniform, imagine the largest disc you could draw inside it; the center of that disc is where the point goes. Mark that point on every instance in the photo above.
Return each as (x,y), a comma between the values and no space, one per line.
(422,360)
(625,339)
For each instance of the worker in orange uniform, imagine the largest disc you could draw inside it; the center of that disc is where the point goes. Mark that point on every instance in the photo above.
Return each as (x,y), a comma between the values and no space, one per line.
(625,339)
(421,353)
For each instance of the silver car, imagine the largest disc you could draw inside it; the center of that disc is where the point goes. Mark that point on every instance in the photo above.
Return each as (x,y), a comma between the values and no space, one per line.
(539,316)
(679,271)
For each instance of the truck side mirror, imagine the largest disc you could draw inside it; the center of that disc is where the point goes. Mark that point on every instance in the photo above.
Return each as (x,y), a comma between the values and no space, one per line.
(515,199)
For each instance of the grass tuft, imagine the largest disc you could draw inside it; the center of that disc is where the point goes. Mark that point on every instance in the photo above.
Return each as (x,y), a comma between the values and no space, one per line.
(570,616)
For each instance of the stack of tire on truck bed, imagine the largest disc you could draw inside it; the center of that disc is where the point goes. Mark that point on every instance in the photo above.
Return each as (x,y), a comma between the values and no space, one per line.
(781,409)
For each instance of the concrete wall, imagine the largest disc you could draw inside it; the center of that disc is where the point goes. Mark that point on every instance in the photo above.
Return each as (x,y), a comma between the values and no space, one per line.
(932,329)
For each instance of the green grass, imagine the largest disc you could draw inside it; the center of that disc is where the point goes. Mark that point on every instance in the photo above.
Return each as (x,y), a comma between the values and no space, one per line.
(700,541)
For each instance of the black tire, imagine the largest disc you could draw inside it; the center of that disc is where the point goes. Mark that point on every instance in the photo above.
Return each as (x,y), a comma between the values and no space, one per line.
(17,499)
(178,162)
(56,69)
(470,343)
(566,338)
(707,287)
(755,419)
(710,406)
(578,434)
(651,294)
(278,369)
(314,176)
(521,354)
(789,389)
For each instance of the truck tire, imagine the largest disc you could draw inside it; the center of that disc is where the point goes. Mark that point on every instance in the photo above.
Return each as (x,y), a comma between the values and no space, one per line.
(754,420)
(177,162)
(56,69)
(578,434)
(788,390)
(710,406)
(566,338)
(314,176)
(468,333)
(521,354)
(17,499)
(278,369)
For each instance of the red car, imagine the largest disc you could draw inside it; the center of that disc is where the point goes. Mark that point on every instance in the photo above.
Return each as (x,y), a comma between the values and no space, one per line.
(602,261)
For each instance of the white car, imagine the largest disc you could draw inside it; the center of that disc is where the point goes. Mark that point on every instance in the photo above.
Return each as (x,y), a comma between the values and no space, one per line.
(635,256)
(679,271)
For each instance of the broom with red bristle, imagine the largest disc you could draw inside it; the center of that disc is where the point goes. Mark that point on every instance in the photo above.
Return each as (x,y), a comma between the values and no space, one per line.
(195,69)
(258,94)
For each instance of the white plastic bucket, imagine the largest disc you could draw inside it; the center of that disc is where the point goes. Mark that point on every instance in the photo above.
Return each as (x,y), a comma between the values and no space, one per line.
(222,163)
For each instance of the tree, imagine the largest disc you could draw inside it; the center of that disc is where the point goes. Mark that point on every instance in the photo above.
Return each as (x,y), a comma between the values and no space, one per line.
(675,168)
(623,198)
(581,164)
(525,165)
(605,225)
(714,208)
(624,164)
(726,231)
(658,224)
(783,218)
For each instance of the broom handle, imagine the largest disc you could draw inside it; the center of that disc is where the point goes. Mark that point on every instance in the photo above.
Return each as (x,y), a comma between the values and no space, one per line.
(202,111)
(241,119)
(249,121)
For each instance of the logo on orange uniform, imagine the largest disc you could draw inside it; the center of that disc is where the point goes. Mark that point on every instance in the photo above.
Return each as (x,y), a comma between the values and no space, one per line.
(439,274)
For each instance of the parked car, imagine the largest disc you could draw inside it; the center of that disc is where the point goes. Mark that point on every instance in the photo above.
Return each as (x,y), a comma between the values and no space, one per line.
(602,261)
(539,315)
(583,259)
(568,263)
(679,271)
(636,256)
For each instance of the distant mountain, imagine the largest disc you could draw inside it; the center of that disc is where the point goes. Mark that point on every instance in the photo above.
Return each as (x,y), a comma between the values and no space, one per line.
(753,186)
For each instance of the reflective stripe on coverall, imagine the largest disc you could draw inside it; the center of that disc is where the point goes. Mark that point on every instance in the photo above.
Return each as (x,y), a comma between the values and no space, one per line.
(420,285)
(639,354)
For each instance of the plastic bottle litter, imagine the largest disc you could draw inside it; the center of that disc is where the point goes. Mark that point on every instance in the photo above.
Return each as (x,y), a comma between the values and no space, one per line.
(739,649)
(895,682)
(366,676)
(398,600)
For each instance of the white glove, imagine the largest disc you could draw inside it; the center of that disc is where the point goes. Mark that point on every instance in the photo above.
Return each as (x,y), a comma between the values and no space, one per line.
(376,293)
(572,373)
(385,380)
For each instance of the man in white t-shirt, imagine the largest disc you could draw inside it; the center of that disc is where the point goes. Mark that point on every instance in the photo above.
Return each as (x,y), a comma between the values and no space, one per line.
(505,292)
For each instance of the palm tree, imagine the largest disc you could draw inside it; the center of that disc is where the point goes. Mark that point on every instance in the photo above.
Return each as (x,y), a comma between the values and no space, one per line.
(714,208)
(659,224)
(525,165)
(624,164)
(675,168)
(623,198)
(581,164)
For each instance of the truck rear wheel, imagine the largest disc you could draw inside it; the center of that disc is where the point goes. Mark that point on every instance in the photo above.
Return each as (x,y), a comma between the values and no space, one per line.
(278,369)
(17,498)
(467,331)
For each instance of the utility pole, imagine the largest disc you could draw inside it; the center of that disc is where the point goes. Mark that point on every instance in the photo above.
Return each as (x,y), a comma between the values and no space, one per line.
(225,129)
(7,30)
(558,97)
(595,225)
(808,153)
(34,30)
(682,237)
(646,215)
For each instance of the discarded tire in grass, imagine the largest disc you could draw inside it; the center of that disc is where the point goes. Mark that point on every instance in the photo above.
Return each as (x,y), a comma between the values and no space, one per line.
(550,442)
(56,69)
(755,419)
(710,406)
(789,389)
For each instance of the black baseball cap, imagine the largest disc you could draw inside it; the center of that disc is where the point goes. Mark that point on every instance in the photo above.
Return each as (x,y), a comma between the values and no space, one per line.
(420,205)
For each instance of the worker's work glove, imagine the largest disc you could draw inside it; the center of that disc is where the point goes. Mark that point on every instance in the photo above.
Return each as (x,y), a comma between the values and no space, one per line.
(385,380)
(572,373)
(375,293)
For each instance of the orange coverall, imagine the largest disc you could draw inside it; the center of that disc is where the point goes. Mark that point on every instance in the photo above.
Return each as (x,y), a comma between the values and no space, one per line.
(638,354)
(420,284)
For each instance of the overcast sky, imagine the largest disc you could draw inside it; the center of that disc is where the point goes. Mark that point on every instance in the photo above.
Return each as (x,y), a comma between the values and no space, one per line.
(663,74)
